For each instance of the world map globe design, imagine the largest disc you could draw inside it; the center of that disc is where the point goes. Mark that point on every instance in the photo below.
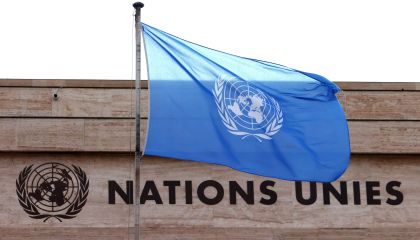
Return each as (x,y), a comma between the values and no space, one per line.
(52,187)
(248,106)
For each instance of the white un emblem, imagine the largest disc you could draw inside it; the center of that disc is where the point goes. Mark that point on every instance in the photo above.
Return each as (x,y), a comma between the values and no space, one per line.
(247,111)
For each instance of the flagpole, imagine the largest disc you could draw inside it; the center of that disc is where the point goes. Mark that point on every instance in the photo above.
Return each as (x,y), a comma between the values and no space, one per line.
(138,6)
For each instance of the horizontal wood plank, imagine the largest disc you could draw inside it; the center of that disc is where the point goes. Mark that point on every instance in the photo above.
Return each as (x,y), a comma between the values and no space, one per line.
(120,103)
(36,102)
(395,137)
(99,83)
(191,233)
(381,105)
(285,218)
(69,83)
(379,86)
(72,102)
(61,134)
(49,134)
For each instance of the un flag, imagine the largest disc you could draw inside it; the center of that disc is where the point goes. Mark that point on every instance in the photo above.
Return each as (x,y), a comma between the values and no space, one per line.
(253,116)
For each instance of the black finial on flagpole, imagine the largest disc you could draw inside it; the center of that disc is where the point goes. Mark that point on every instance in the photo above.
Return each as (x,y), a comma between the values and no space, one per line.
(138,5)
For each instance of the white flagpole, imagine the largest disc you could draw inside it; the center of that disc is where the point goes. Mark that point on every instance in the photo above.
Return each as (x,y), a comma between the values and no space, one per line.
(137,6)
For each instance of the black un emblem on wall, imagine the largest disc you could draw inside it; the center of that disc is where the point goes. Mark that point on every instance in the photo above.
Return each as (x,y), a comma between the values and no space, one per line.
(52,190)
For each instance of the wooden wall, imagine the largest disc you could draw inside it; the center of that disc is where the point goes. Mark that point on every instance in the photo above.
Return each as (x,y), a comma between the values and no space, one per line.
(91,125)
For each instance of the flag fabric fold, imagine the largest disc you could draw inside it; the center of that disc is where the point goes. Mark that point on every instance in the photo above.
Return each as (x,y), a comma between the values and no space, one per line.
(253,116)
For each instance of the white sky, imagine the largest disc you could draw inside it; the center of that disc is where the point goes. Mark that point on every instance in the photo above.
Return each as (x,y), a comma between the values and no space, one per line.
(353,40)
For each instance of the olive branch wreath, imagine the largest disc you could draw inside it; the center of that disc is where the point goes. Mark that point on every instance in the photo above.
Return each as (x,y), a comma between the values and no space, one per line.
(271,129)
(72,210)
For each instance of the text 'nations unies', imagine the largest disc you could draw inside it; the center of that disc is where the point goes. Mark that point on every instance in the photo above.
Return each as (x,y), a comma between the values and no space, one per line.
(211,192)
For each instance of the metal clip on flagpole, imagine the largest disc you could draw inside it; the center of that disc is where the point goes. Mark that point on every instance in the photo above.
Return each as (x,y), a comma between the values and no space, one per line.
(138,6)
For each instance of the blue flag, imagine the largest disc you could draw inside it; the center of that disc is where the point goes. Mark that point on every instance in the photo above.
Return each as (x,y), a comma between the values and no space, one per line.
(253,116)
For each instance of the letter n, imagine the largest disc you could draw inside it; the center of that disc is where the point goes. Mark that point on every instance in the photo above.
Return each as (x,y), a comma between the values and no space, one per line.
(127,196)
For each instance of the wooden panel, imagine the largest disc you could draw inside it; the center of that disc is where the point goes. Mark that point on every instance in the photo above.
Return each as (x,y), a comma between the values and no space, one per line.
(191,233)
(66,233)
(72,102)
(94,103)
(69,83)
(110,135)
(380,86)
(284,219)
(48,134)
(375,105)
(120,103)
(25,102)
(385,136)
(276,234)
(8,135)
(103,103)
(92,83)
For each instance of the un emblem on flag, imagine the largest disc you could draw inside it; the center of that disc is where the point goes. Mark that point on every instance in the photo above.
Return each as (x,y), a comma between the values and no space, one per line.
(246,110)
